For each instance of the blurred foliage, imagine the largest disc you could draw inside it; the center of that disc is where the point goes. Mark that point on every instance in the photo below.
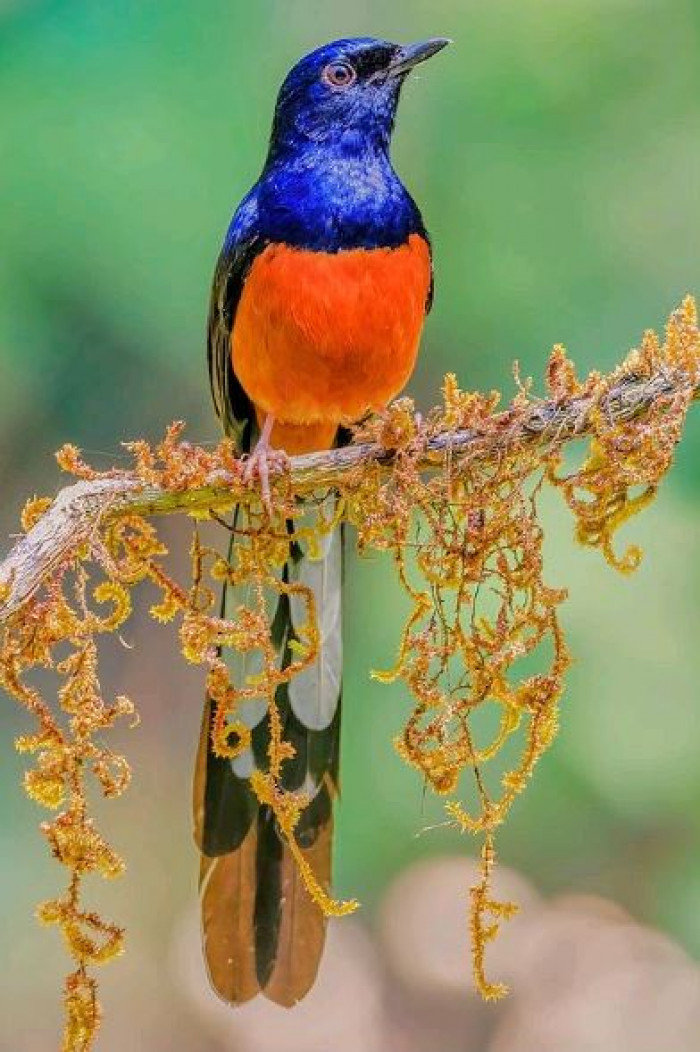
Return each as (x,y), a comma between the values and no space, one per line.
(555,154)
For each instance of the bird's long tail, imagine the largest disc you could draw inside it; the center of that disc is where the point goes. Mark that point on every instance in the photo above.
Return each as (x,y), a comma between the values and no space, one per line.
(261,929)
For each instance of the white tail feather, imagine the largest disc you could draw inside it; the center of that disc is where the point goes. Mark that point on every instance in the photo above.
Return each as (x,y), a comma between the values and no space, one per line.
(314,693)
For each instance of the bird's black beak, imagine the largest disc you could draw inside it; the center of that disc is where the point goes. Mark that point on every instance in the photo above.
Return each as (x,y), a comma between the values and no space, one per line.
(413,54)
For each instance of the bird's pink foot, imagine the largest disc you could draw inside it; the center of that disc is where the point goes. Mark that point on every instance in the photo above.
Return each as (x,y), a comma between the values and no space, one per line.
(264,460)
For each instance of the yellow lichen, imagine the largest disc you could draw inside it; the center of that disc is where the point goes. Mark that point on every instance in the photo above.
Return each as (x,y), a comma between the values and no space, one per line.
(33,510)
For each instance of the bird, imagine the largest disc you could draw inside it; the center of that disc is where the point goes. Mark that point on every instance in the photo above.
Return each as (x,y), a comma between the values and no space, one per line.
(318,303)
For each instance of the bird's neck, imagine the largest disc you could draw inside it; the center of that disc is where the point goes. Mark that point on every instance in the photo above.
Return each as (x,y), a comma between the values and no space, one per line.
(289,143)
(335,196)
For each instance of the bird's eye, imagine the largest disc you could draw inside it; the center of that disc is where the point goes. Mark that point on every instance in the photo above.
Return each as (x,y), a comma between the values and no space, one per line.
(339,75)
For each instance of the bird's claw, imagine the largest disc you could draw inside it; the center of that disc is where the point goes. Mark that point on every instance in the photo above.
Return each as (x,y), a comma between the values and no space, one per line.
(262,462)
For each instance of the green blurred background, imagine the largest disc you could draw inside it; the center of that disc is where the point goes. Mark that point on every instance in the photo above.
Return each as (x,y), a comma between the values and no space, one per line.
(555,152)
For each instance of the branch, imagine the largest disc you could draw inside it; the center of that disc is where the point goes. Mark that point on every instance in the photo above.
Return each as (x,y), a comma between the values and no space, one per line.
(78,510)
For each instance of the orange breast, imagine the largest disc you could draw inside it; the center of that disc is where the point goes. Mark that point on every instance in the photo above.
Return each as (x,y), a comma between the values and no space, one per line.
(320,339)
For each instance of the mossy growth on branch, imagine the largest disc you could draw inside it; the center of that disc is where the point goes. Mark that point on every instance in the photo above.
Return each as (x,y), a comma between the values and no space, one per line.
(462,526)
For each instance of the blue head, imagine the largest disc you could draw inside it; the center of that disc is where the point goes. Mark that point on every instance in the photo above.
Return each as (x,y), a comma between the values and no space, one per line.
(345,95)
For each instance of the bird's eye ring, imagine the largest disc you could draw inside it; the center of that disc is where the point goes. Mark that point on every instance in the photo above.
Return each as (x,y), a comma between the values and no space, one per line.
(339,75)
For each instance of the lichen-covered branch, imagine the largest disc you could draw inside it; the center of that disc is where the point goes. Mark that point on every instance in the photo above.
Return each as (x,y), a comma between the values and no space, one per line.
(78,509)
(453,498)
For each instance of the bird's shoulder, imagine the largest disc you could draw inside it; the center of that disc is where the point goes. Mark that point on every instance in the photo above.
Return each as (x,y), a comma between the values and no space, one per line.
(244,225)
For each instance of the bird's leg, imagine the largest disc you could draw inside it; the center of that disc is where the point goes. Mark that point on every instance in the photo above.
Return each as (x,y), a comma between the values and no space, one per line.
(262,459)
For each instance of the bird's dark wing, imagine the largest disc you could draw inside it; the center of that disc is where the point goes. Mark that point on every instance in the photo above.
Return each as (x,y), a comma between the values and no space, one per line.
(431,290)
(242,245)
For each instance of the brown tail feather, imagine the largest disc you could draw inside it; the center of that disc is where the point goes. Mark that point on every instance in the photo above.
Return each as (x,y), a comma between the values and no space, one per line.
(231,885)
(228,886)
(302,931)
